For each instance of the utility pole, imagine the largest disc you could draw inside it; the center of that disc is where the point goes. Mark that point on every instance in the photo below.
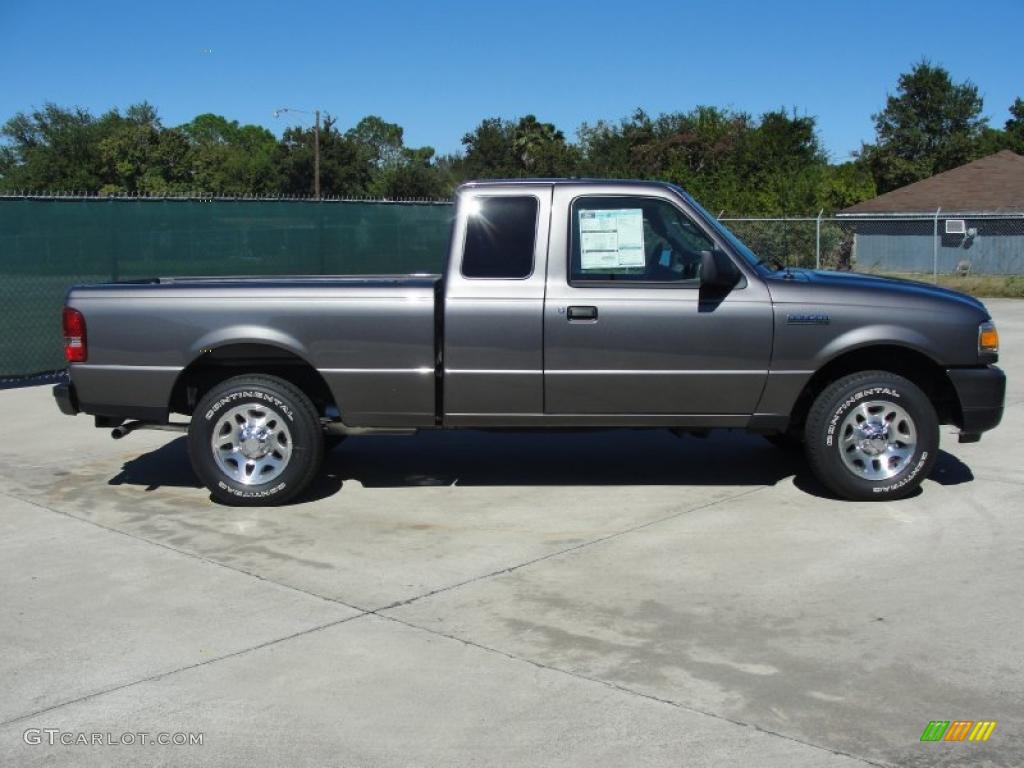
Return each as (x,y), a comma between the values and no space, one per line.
(817,241)
(316,145)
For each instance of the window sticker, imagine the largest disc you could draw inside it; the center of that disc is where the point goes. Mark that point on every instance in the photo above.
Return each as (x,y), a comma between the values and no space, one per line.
(611,239)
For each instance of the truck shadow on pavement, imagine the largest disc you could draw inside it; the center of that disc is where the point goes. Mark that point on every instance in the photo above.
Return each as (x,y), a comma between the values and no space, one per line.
(470,458)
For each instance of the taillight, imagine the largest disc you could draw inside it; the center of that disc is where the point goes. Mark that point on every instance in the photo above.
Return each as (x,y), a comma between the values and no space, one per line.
(75,348)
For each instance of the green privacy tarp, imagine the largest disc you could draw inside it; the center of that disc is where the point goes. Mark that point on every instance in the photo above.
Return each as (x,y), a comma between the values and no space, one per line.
(50,244)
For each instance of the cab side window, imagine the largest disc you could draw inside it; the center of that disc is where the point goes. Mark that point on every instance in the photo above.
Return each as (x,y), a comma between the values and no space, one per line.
(629,240)
(500,235)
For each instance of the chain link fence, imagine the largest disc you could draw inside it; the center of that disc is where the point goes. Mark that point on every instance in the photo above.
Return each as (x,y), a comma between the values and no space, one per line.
(939,247)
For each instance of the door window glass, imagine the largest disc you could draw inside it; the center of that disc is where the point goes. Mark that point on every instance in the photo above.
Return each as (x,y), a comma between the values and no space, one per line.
(631,240)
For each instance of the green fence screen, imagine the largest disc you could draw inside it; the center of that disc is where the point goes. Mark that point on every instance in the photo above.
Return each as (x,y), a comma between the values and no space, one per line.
(50,244)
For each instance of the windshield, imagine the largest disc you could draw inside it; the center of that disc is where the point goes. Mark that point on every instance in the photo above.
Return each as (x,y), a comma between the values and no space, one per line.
(740,247)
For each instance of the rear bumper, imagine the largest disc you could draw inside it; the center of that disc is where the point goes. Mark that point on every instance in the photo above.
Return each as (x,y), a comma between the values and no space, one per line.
(981,392)
(67,399)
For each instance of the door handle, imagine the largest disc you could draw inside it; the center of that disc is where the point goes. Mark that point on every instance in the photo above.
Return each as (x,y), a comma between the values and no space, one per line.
(582,313)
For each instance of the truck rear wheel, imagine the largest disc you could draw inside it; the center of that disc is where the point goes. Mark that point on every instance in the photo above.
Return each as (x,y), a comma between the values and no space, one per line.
(255,440)
(872,436)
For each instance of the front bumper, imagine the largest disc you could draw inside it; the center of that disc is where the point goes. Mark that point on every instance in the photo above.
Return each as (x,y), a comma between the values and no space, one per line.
(67,400)
(981,392)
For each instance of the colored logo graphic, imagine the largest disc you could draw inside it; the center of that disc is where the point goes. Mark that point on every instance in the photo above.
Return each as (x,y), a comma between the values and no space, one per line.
(958,730)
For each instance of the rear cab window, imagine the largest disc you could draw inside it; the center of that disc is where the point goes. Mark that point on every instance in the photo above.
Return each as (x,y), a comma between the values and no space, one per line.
(500,237)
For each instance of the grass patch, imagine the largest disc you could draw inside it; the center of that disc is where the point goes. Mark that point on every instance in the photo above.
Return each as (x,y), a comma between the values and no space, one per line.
(982,286)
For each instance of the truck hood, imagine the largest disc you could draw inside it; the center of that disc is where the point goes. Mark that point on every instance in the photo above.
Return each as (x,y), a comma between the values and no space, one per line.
(871,289)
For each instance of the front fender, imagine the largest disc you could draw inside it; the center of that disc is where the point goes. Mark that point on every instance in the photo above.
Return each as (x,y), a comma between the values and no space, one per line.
(874,336)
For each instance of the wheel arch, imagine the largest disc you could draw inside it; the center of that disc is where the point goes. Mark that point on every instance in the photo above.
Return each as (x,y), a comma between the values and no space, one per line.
(214,364)
(904,360)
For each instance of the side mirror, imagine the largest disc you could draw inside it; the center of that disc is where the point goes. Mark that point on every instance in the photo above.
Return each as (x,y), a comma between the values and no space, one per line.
(717,271)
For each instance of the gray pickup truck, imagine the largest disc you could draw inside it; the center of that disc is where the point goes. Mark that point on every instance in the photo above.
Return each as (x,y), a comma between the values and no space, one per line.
(566,304)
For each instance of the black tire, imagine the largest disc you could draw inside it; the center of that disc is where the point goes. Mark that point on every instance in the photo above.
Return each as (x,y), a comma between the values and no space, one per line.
(286,441)
(899,436)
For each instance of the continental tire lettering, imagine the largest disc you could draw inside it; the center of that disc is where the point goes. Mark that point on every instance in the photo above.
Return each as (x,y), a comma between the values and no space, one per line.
(851,401)
(249,395)
(905,480)
(251,494)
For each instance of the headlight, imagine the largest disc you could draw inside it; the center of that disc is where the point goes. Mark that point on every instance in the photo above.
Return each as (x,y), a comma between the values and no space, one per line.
(988,338)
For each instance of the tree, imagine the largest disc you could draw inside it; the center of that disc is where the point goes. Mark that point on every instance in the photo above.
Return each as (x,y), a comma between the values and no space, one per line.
(1010,136)
(727,160)
(848,184)
(931,125)
(380,140)
(140,156)
(450,171)
(226,158)
(345,169)
(53,148)
(541,150)
(490,151)
(504,149)
(1015,126)
(69,150)
(607,149)
(398,171)
(768,165)
(413,177)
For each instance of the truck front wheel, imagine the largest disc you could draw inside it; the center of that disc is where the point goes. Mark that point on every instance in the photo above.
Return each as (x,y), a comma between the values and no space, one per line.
(872,436)
(255,440)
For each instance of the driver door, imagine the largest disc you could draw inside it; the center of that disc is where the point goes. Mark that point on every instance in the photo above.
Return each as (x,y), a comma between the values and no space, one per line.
(627,330)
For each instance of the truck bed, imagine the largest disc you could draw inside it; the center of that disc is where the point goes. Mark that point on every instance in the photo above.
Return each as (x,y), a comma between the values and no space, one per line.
(372,338)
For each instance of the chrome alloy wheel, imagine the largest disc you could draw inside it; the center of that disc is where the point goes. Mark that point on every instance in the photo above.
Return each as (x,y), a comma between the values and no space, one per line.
(251,444)
(877,439)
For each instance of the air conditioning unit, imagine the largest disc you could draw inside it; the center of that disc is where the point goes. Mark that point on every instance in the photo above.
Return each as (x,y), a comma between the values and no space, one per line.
(956,227)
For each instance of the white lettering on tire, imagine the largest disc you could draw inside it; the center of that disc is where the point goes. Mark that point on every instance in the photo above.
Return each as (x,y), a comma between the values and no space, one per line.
(251,494)
(899,484)
(252,395)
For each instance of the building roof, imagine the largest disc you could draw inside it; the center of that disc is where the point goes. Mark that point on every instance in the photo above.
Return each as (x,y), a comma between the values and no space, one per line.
(991,184)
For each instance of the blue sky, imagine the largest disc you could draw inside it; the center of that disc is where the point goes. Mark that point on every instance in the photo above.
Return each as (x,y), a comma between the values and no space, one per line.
(438,68)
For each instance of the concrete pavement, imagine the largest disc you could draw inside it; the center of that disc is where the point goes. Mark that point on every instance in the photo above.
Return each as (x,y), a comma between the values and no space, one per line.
(466,599)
